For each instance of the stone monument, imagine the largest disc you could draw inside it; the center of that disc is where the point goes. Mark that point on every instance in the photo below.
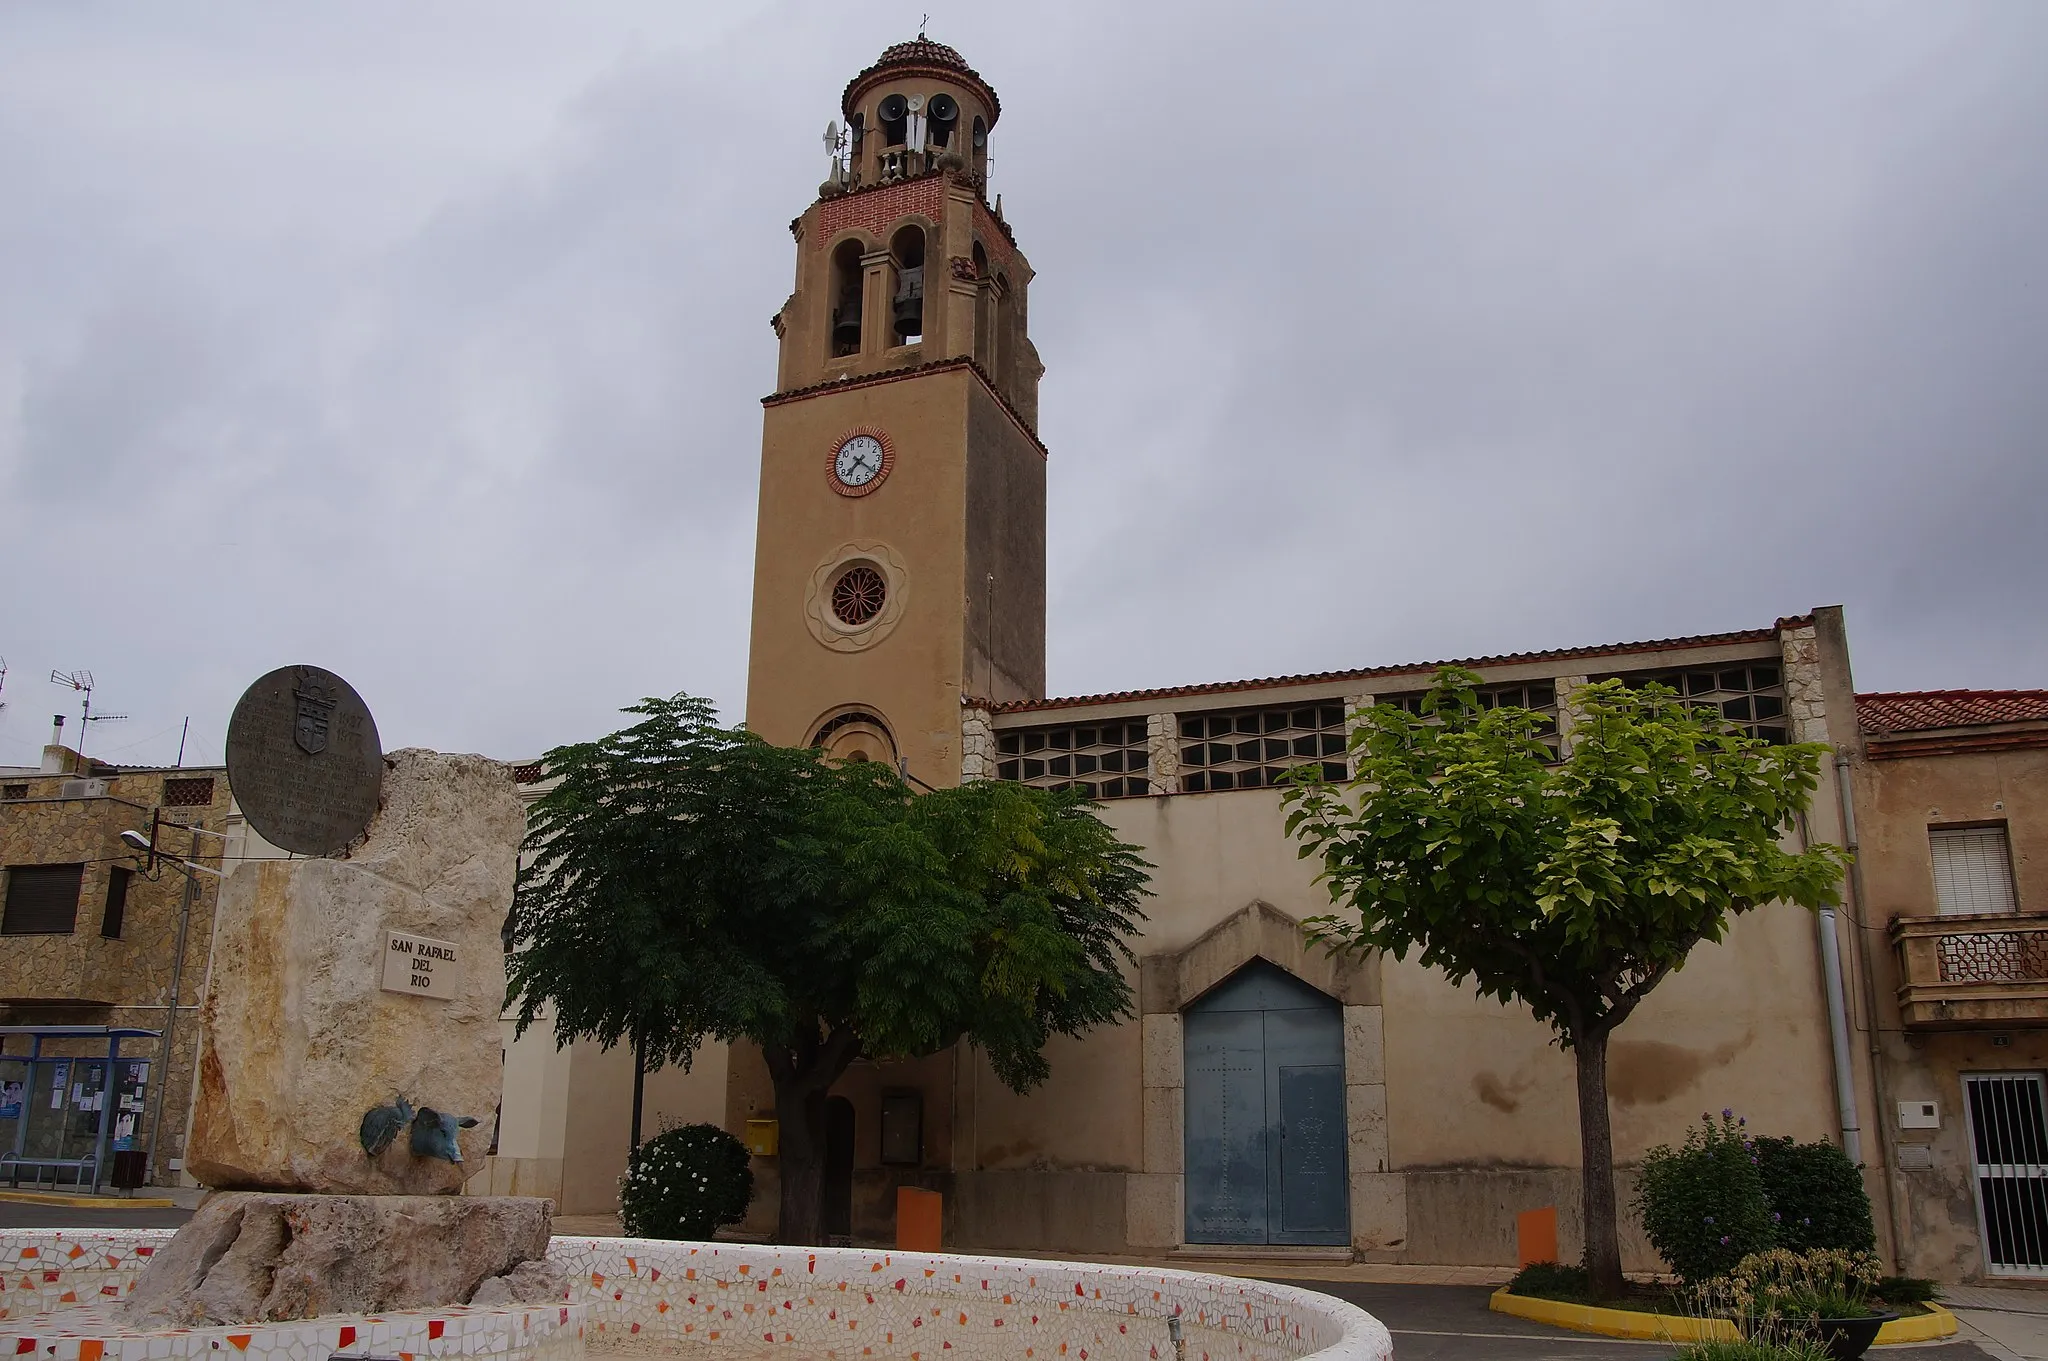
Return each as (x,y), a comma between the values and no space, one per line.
(349,1067)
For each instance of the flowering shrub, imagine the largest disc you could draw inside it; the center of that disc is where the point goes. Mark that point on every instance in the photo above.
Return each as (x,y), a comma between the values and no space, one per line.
(1817,1195)
(1769,1293)
(684,1183)
(1702,1203)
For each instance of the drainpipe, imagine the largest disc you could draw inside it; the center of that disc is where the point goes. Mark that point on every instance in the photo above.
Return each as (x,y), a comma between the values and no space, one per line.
(1838,1032)
(1886,1159)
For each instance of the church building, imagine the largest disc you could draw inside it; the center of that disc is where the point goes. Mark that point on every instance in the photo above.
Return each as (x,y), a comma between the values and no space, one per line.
(1265,1096)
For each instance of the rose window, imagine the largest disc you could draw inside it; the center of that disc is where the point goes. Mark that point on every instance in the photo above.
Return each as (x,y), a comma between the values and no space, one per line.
(857,595)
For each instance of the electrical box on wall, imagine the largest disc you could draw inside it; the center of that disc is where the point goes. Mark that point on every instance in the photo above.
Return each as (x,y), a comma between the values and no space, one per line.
(1916,1158)
(1919,1115)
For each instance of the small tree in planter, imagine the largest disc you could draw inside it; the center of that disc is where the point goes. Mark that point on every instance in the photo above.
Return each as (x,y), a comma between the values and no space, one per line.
(1573,888)
(686,1182)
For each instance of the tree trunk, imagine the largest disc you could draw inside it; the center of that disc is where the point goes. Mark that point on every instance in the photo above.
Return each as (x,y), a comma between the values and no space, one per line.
(800,1158)
(1596,1161)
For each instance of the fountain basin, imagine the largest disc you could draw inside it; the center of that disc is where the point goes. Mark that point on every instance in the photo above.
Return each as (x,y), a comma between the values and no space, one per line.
(714,1302)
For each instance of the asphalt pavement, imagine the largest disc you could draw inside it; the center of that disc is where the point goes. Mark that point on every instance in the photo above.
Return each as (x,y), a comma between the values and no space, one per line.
(1452,1323)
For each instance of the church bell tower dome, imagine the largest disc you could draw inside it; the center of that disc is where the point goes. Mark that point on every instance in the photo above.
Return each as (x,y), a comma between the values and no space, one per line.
(900,550)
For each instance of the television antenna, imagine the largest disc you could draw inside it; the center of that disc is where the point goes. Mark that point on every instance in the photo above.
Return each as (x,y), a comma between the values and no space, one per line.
(3,683)
(81,681)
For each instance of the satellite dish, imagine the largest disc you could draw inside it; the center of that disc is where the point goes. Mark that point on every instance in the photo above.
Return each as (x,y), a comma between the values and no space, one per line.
(915,103)
(892,108)
(944,108)
(832,135)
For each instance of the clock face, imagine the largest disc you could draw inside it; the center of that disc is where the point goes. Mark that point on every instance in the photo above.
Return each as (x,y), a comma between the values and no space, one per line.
(859,463)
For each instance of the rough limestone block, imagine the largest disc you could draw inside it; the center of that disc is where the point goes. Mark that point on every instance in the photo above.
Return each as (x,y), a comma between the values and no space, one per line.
(300,1038)
(251,1257)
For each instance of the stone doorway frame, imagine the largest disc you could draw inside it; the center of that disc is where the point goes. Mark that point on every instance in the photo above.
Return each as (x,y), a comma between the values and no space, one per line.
(1154,1199)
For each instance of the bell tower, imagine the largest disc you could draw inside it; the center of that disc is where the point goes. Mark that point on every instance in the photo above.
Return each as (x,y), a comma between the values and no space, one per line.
(900,557)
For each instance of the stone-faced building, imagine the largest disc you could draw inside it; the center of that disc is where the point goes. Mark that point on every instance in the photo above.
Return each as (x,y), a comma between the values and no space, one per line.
(1263,1095)
(88,937)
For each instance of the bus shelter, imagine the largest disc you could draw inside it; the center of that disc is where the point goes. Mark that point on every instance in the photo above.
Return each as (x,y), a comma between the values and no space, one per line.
(69,1100)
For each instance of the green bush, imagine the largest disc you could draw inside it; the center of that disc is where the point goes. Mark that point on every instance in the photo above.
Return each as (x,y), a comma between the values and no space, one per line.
(1816,1195)
(1551,1281)
(1702,1203)
(684,1183)
(1904,1290)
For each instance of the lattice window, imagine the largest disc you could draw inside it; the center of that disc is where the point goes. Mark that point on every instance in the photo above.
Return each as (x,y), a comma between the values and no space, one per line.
(530,773)
(1251,748)
(13,791)
(1994,957)
(1538,695)
(193,792)
(1751,696)
(1102,760)
(858,595)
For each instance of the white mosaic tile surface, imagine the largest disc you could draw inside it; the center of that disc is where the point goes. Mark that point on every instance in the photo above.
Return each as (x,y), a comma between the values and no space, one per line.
(744,1300)
(718,1302)
(61,1287)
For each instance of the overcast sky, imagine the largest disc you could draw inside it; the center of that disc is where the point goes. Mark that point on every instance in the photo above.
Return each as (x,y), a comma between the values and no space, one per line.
(424,341)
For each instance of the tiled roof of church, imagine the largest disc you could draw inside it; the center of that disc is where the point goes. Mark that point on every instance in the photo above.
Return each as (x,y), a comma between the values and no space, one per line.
(1412,668)
(921,54)
(1929,710)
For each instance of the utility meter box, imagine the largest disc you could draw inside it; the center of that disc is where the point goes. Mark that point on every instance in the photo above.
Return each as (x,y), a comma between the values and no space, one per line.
(762,1137)
(1919,1115)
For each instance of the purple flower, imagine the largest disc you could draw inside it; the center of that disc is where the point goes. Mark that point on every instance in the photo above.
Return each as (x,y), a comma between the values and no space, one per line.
(1776,1217)
(1727,1113)
(1724,1240)
(1743,1121)
(1710,1219)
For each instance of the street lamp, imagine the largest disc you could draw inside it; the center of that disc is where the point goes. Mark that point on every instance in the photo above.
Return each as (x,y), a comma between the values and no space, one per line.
(191,870)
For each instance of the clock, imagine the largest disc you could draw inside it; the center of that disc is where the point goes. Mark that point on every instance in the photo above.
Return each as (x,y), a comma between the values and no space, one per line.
(861,459)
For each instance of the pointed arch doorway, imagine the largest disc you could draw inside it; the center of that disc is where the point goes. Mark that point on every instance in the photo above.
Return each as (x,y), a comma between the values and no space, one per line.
(1265,1154)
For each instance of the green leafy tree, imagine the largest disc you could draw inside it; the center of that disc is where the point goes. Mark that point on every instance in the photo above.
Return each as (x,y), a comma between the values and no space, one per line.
(690,882)
(1572,887)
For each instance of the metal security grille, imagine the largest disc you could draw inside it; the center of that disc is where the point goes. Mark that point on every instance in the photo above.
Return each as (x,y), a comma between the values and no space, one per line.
(1972,870)
(42,900)
(192,792)
(2009,1138)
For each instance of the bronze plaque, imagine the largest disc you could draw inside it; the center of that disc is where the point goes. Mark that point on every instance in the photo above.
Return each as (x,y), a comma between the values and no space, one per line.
(303,760)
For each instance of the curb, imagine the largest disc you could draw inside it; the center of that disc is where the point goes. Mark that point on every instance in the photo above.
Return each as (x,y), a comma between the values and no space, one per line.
(1936,1323)
(88,1202)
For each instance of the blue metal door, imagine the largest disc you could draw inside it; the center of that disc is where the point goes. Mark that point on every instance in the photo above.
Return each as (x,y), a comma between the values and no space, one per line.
(1265,1112)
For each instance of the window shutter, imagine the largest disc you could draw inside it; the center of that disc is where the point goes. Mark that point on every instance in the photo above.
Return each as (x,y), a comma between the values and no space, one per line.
(41,900)
(1972,870)
(117,902)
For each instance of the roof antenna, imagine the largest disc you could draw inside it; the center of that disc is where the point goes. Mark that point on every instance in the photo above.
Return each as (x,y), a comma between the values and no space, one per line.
(921,25)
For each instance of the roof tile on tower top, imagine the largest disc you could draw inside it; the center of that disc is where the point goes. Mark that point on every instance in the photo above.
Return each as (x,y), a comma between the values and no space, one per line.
(1929,710)
(920,52)
(1420,670)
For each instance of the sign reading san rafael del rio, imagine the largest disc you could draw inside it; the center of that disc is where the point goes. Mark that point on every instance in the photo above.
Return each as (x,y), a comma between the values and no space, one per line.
(420,967)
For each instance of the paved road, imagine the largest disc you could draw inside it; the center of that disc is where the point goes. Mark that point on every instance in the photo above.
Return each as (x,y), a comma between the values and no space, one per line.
(1452,1323)
(16,1215)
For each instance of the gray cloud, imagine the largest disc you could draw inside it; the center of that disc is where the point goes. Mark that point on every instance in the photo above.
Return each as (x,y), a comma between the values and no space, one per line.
(425,344)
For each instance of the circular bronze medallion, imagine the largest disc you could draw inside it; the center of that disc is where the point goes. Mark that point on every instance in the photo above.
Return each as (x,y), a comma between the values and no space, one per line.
(303,760)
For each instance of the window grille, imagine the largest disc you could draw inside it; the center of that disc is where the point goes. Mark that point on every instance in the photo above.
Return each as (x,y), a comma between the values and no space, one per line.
(117,902)
(1252,748)
(13,791)
(1540,696)
(1972,870)
(188,793)
(1752,696)
(2008,1127)
(42,900)
(530,773)
(1102,760)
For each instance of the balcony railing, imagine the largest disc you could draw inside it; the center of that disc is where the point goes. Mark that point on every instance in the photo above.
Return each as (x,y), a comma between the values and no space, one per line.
(1972,971)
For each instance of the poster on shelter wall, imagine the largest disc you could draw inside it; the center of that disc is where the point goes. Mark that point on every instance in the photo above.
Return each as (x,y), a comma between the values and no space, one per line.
(63,1079)
(10,1100)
